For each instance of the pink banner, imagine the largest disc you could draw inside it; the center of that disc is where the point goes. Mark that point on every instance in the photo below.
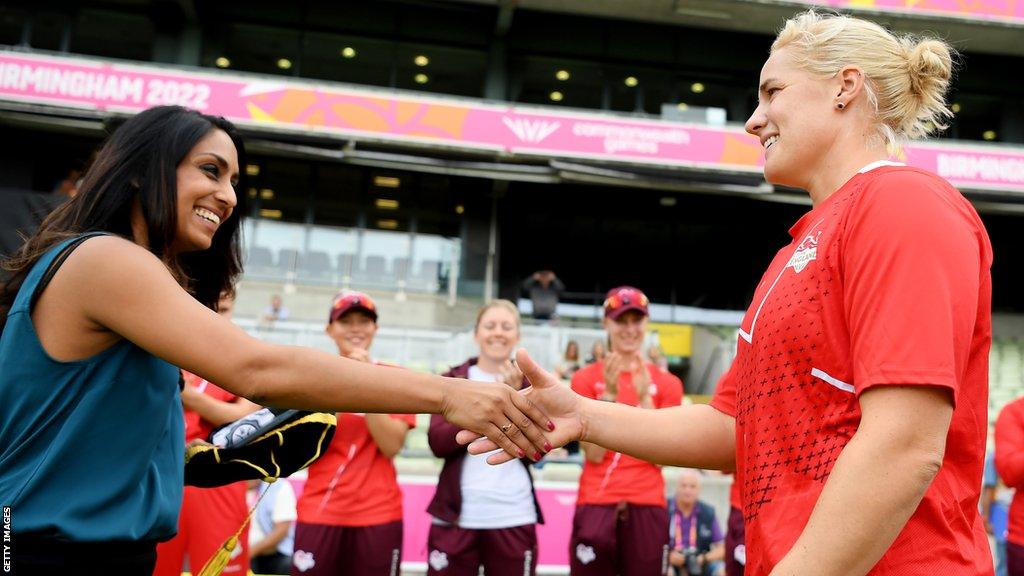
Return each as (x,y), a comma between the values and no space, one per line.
(558,505)
(1004,10)
(453,123)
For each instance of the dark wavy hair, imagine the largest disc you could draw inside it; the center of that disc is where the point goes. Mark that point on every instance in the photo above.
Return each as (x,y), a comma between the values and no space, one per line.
(139,161)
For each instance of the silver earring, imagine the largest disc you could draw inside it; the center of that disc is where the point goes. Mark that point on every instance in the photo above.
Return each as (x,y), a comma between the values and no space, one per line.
(840,105)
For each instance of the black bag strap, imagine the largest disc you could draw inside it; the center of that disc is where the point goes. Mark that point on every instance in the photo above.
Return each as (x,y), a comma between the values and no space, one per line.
(55,265)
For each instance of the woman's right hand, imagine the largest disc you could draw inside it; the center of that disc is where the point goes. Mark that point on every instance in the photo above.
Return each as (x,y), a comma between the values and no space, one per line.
(508,419)
(547,393)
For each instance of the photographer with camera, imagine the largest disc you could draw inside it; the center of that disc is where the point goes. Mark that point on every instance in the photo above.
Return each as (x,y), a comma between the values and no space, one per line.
(698,545)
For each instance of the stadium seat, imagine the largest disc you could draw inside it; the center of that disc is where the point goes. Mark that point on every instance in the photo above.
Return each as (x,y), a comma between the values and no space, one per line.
(425,278)
(400,266)
(287,260)
(259,261)
(374,273)
(315,265)
(345,265)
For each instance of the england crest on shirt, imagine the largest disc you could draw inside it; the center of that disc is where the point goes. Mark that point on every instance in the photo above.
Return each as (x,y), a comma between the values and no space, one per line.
(805,252)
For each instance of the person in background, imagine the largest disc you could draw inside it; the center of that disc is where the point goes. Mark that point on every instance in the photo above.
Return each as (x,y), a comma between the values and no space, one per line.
(570,361)
(994,510)
(544,290)
(272,530)
(620,519)
(68,185)
(1010,467)
(696,540)
(350,511)
(208,515)
(657,357)
(735,549)
(597,352)
(275,312)
(484,516)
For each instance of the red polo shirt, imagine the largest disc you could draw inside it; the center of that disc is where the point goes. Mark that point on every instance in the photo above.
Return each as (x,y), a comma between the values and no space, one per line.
(1010,464)
(622,478)
(886,282)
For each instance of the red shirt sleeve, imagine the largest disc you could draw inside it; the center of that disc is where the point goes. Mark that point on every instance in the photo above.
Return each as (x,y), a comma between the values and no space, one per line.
(583,383)
(670,388)
(724,399)
(1010,444)
(912,268)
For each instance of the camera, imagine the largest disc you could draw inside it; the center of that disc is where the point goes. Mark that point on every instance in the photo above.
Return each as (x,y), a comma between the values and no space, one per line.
(692,564)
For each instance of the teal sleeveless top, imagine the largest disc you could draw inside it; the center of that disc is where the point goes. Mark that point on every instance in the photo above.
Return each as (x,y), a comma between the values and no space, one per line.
(93,449)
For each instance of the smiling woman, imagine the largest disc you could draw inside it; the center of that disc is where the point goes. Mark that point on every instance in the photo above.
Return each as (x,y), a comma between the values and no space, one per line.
(106,302)
(851,410)
(484,516)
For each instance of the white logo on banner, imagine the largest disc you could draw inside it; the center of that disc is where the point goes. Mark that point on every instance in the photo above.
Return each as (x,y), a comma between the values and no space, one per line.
(438,560)
(303,560)
(585,553)
(534,131)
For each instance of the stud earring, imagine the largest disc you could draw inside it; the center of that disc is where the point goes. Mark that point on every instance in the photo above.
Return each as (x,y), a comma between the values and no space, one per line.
(840,105)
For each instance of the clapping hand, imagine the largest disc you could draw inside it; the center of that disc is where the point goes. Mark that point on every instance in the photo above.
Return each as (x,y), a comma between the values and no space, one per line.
(511,374)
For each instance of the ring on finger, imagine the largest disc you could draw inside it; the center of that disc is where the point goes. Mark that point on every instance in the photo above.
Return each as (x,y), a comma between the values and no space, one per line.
(506,428)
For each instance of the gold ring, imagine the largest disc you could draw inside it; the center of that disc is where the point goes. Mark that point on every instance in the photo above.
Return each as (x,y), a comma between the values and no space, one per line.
(506,428)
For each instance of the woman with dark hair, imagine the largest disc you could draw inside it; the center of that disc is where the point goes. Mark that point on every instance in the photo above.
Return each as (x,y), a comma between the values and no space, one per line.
(103,305)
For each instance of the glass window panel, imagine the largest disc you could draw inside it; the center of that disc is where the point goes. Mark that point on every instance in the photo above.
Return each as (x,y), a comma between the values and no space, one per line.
(385,243)
(368,61)
(698,91)
(333,241)
(258,49)
(338,194)
(278,235)
(113,34)
(977,115)
(448,70)
(534,79)
(48,30)
(283,189)
(12,25)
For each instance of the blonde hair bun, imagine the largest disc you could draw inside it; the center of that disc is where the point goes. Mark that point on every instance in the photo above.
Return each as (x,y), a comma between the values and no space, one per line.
(907,76)
(930,67)
(930,61)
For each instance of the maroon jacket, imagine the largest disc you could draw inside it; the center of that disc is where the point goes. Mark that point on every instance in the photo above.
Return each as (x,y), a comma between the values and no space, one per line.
(447,502)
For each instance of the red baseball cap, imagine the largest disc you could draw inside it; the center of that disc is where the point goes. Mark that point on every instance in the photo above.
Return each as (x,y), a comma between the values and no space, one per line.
(623,299)
(348,300)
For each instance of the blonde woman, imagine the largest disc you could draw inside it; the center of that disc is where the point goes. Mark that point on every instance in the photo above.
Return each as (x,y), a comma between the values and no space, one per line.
(855,410)
(570,361)
(484,515)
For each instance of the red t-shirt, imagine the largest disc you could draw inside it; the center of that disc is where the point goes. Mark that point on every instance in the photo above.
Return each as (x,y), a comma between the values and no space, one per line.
(1010,464)
(353,483)
(195,426)
(886,282)
(622,478)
